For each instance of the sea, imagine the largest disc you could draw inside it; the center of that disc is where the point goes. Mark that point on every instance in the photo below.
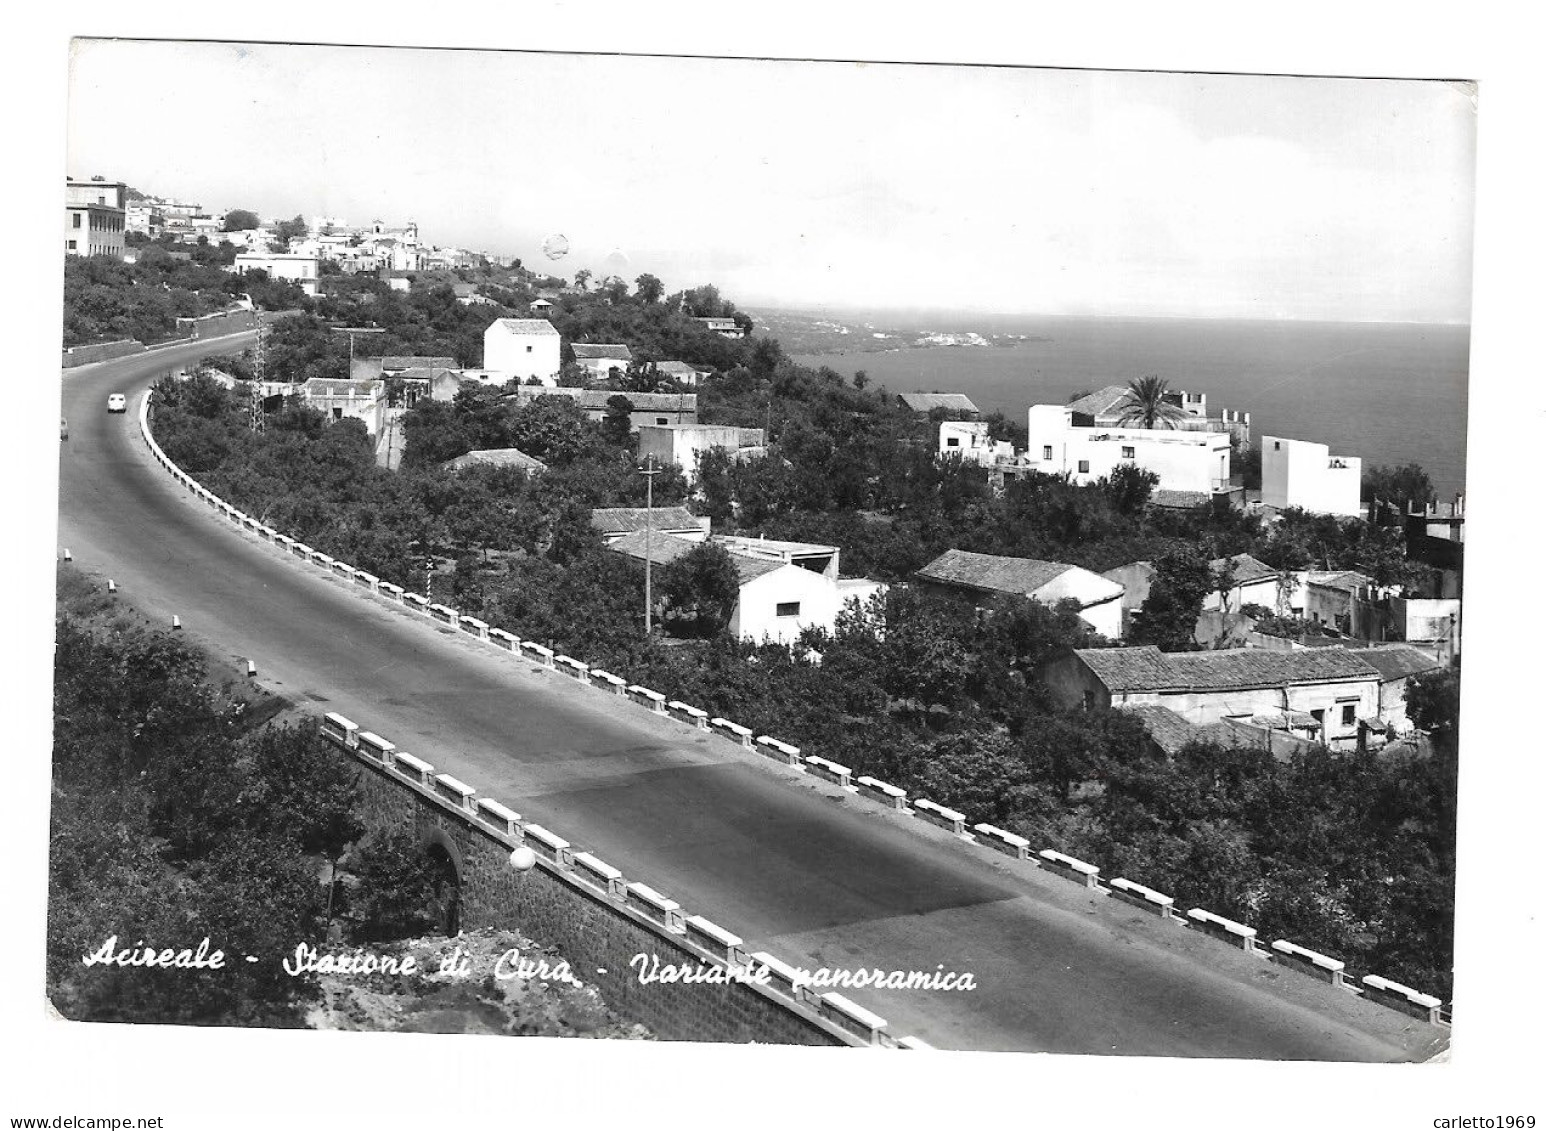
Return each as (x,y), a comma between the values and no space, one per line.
(1388,393)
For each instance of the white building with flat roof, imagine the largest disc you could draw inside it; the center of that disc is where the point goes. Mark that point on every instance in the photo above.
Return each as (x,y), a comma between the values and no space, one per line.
(302,269)
(95,215)
(1184,460)
(1304,474)
(682,444)
(968,440)
(524,348)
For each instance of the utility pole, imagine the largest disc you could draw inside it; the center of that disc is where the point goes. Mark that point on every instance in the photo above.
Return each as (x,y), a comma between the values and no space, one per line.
(649,471)
(255,402)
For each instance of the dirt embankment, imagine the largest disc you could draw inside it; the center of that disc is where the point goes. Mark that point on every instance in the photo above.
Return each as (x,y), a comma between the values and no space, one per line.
(483,981)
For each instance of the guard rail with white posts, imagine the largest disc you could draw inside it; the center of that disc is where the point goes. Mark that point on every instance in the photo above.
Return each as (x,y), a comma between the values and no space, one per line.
(1309,962)
(937,814)
(990,837)
(780,751)
(891,796)
(1082,872)
(843,1020)
(738,734)
(1146,898)
(1236,934)
(1008,843)
(828,770)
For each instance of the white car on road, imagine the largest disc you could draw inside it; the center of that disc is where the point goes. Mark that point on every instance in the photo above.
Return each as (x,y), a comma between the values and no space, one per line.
(117,403)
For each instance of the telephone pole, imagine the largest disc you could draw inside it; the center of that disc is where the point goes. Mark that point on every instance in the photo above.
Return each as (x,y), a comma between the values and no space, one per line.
(255,403)
(649,471)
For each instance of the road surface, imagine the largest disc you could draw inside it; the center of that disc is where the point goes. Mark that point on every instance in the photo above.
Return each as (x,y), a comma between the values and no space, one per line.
(798,868)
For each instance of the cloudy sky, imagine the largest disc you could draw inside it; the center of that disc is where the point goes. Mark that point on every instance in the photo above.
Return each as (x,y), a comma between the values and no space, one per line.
(862,185)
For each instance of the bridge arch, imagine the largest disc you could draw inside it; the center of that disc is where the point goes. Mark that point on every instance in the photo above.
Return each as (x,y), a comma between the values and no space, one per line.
(446,857)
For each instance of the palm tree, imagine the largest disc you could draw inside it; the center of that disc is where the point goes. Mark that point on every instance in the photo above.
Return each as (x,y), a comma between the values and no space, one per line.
(1146,406)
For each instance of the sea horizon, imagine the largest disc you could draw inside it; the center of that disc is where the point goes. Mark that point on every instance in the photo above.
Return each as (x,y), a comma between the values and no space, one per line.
(1388,393)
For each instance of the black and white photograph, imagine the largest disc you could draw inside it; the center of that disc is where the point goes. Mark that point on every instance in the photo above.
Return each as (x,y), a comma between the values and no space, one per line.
(729,554)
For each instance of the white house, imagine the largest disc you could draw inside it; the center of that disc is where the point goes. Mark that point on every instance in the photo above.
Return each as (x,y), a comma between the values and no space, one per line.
(1396,663)
(785,587)
(1328,693)
(682,444)
(1184,460)
(1300,473)
(338,400)
(602,361)
(1099,598)
(523,348)
(1255,583)
(724,327)
(968,440)
(682,373)
(302,269)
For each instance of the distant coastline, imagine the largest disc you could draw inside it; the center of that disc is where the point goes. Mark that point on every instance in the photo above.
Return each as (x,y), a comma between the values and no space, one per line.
(1370,390)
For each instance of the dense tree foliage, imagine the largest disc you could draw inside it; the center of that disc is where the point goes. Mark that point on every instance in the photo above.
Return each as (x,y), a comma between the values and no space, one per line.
(1168,616)
(106,299)
(1403,486)
(174,819)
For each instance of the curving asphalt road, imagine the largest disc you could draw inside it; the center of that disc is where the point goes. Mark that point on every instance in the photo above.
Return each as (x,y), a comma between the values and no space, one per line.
(798,868)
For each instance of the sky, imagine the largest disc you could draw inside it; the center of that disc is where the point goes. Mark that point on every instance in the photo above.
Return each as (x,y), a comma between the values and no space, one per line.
(806,184)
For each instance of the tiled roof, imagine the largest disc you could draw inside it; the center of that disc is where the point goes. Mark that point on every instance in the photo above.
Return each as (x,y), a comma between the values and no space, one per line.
(612,520)
(412,362)
(1146,668)
(677,367)
(525,326)
(1101,401)
(595,400)
(603,352)
(1247,568)
(1396,661)
(642,402)
(1169,730)
(332,387)
(423,374)
(924,402)
(1022,576)
(665,548)
(1348,581)
(1183,500)
(496,457)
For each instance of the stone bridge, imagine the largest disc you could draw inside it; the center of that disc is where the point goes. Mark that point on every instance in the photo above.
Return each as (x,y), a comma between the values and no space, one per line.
(596,919)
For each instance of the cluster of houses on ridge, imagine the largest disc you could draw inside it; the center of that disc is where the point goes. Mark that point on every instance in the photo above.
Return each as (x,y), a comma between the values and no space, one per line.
(1340,684)
(1091,436)
(530,351)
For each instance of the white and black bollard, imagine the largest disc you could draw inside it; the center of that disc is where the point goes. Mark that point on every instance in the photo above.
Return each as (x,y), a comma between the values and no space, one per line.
(252,669)
(112,586)
(177,623)
(67,556)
